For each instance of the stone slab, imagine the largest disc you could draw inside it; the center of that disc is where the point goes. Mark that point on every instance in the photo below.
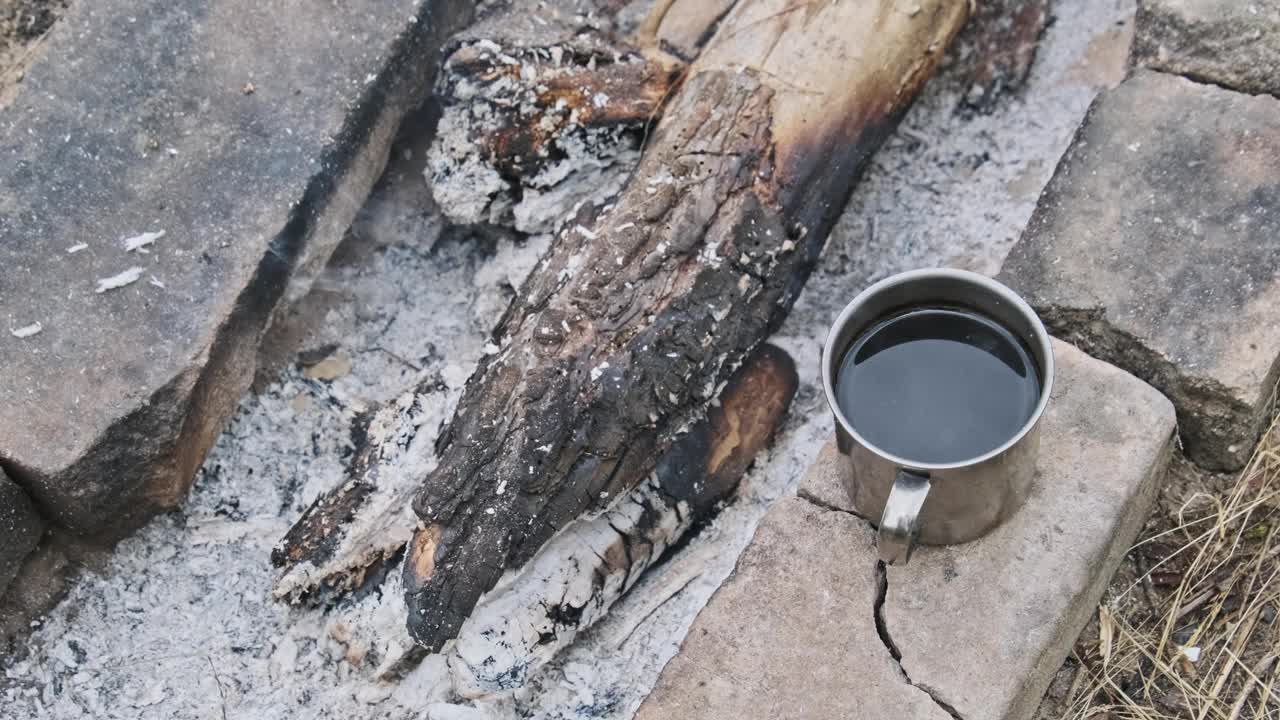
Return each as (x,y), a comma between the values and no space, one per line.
(985,625)
(979,628)
(792,633)
(249,133)
(824,482)
(20,529)
(1156,246)
(1232,43)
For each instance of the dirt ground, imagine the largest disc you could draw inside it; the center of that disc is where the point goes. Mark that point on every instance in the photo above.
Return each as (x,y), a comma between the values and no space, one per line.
(23,23)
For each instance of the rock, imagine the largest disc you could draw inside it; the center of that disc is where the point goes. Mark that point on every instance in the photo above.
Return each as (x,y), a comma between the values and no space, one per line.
(20,529)
(985,626)
(1156,246)
(248,133)
(823,483)
(980,629)
(791,634)
(1226,42)
(40,583)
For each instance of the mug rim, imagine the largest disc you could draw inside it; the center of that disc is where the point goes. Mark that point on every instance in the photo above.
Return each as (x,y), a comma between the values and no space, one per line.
(1041,337)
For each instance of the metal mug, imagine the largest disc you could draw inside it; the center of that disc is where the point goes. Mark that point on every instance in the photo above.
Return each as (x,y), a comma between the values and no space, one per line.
(936,504)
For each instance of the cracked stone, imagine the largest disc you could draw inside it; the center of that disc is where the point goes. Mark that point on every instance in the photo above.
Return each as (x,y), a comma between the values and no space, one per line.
(135,122)
(1226,42)
(20,529)
(791,634)
(984,626)
(1156,247)
(825,481)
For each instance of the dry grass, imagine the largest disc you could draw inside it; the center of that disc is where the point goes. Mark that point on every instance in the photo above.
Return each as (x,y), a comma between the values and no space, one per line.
(1205,646)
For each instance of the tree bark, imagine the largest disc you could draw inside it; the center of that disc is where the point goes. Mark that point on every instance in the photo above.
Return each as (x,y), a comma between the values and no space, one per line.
(643,308)
(997,48)
(545,110)
(576,577)
(348,534)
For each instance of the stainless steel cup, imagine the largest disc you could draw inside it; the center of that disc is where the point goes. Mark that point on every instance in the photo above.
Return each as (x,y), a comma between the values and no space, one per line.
(936,504)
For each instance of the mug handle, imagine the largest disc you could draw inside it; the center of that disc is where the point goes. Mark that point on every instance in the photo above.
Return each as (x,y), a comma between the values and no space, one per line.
(900,521)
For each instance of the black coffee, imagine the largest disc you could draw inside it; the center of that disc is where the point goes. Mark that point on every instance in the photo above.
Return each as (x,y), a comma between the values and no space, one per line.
(937,385)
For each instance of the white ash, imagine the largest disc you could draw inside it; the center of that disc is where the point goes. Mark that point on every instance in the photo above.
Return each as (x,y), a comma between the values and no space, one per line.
(27,331)
(139,243)
(184,608)
(572,582)
(591,164)
(119,280)
(405,431)
(170,627)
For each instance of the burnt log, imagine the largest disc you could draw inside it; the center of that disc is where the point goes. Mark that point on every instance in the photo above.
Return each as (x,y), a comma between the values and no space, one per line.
(350,533)
(353,535)
(529,81)
(997,47)
(576,577)
(643,308)
(545,108)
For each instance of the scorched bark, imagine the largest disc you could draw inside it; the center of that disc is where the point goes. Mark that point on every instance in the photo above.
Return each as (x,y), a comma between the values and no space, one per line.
(640,309)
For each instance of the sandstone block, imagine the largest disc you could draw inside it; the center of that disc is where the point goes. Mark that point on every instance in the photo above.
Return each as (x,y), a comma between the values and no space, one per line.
(810,625)
(1156,247)
(1225,42)
(792,633)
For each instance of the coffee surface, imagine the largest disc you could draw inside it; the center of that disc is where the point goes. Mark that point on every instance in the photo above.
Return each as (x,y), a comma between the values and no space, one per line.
(937,385)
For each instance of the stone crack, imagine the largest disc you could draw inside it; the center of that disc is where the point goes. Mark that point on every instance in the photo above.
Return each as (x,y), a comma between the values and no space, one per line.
(882,629)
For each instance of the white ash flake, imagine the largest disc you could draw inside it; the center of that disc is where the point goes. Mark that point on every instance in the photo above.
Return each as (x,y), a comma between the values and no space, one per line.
(585,232)
(196,621)
(77,248)
(598,370)
(119,280)
(139,243)
(27,331)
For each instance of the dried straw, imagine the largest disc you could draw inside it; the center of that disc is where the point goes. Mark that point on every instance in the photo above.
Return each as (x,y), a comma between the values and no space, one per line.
(1208,649)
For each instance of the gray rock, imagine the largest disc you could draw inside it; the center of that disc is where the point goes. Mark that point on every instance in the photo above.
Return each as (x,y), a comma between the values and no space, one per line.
(791,634)
(980,629)
(1156,246)
(1232,43)
(20,529)
(249,133)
